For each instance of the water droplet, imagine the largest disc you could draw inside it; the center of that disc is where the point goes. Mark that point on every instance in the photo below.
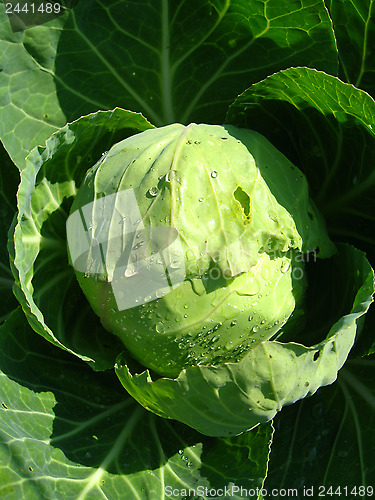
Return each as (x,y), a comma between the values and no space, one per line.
(153,191)
(263,321)
(189,256)
(251,317)
(180,452)
(198,287)
(216,301)
(234,322)
(285,267)
(159,327)
(255,328)
(214,174)
(273,217)
(265,273)
(186,315)
(200,200)
(251,287)
(129,272)
(170,175)
(138,245)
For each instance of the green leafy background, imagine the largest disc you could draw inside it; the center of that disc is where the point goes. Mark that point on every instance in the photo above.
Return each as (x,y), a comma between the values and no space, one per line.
(151,56)
(328,440)
(188,61)
(63,439)
(9,179)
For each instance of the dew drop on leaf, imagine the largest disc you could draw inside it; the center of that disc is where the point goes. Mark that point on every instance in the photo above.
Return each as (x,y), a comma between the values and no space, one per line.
(159,327)
(285,267)
(153,191)
(129,271)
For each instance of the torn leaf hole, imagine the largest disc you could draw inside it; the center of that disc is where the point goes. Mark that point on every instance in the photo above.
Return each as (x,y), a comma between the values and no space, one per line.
(244,199)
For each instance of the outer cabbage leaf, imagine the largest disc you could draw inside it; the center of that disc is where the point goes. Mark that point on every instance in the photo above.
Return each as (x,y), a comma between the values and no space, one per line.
(327,128)
(70,433)
(150,56)
(235,397)
(321,440)
(45,284)
(354,27)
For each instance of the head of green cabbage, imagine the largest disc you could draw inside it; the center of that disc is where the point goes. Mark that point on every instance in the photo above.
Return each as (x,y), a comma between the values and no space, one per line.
(196,240)
(190,244)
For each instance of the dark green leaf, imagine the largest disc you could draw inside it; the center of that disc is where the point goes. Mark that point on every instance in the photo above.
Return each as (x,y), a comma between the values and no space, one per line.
(328,440)
(173,61)
(9,179)
(354,25)
(68,432)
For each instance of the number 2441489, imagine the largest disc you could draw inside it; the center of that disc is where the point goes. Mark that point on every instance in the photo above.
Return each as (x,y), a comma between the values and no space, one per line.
(43,8)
